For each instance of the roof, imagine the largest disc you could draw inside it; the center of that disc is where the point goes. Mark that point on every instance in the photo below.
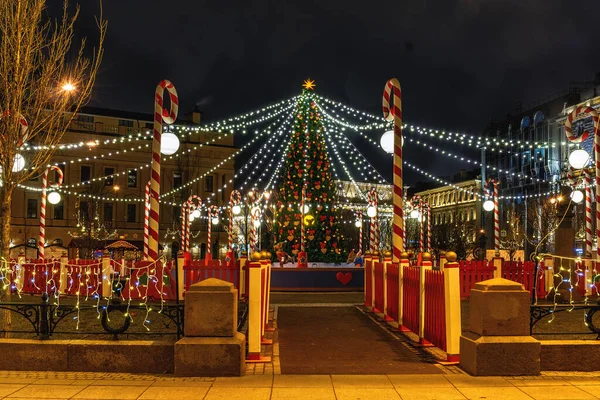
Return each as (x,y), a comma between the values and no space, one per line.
(121,244)
(123,114)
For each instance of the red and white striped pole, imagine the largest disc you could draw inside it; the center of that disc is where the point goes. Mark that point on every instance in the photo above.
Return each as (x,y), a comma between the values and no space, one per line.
(234,200)
(169,117)
(359,218)
(588,214)
(146,218)
(187,222)
(255,216)
(185,216)
(428,211)
(213,212)
(373,198)
(42,238)
(392,89)
(569,133)
(494,182)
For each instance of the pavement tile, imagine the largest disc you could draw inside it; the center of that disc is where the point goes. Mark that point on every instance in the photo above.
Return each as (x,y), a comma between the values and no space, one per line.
(356,393)
(110,392)
(9,389)
(540,382)
(592,389)
(494,393)
(584,381)
(566,393)
(477,381)
(108,382)
(419,381)
(61,381)
(434,393)
(47,392)
(294,381)
(233,393)
(303,393)
(181,383)
(179,393)
(12,380)
(362,381)
(248,381)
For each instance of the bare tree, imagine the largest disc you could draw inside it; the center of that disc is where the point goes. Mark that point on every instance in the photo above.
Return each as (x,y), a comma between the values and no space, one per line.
(515,233)
(44,82)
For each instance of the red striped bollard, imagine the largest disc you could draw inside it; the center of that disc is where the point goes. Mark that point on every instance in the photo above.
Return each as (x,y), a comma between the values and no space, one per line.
(452,308)
(425,266)
(255,311)
(387,261)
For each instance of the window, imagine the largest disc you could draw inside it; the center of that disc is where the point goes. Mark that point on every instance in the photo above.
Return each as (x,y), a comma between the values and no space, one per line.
(176,179)
(83,211)
(177,213)
(109,180)
(59,211)
(126,122)
(108,212)
(131,212)
(132,178)
(85,118)
(208,183)
(32,208)
(86,173)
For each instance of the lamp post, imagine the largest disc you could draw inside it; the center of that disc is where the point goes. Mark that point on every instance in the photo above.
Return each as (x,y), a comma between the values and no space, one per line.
(53,198)
(234,209)
(492,205)
(213,219)
(359,225)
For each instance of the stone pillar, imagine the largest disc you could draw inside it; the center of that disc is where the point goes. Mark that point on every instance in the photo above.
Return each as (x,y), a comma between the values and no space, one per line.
(425,266)
(452,308)
(498,341)
(211,345)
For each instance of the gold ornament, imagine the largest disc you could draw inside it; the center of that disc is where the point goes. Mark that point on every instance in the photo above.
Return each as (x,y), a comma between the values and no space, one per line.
(309,220)
(309,84)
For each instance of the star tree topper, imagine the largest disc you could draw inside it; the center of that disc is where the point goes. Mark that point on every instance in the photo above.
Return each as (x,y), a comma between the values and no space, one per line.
(309,84)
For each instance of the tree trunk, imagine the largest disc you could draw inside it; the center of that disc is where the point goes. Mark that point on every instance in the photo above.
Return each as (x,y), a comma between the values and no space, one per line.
(5,290)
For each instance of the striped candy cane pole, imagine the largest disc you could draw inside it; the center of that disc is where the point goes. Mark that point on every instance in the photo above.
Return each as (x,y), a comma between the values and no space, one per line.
(494,183)
(404,229)
(234,199)
(428,212)
(191,207)
(359,217)
(255,215)
(373,228)
(588,214)
(42,238)
(421,227)
(392,89)
(184,224)
(146,218)
(569,133)
(213,211)
(169,117)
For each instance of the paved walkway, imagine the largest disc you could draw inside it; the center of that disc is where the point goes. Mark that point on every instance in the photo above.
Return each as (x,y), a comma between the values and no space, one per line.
(56,385)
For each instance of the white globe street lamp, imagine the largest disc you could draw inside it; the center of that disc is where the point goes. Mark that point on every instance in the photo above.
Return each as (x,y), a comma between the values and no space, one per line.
(488,205)
(415,214)
(579,158)
(306,209)
(256,223)
(577,196)
(358,223)
(169,144)
(215,220)
(54,198)
(196,213)
(236,210)
(18,163)
(371,211)
(191,217)
(387,142)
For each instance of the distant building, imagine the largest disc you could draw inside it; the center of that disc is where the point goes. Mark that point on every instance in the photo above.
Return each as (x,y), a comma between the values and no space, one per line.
(113,207)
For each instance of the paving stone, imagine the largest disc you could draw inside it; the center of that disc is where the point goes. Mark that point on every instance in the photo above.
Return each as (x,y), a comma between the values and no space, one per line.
(360,393)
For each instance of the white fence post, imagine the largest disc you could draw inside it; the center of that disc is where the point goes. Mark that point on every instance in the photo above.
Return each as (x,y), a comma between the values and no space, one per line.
(106,281)
(498,261)
(452,305)
(62,280)
(425,266)
(387,260)
(180,274)
(255,316)
(404,262)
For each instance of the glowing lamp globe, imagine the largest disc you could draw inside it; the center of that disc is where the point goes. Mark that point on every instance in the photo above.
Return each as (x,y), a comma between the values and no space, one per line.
(54,198)
(18,163)
(256,223)
(358,224)
(215,220)
(415,214)
(236,210)
(196,213)
(577,196)
(488,205)
(191,217)
(169,144)
(387,142)
(371,211)
(306,209)
(579,158)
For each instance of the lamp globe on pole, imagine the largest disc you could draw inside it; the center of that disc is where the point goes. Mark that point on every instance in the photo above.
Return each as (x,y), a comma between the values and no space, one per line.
(577,196)
(488,205)
(579,158)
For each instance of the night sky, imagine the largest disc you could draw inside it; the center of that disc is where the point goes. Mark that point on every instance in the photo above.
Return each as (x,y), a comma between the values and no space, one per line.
(460,63)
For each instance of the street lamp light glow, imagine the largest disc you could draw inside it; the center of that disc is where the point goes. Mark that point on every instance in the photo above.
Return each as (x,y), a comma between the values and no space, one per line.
(68,87)
(169,144)
(54,198)
(256,223)
(371,211)
(236,209)
(579,158)
(577,196)
(18,163)
(215,220)
(488,205)
(415,214)
(358,223)
(196,213)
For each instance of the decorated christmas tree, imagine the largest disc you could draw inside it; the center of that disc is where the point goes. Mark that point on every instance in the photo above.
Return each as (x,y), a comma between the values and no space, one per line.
(307,166)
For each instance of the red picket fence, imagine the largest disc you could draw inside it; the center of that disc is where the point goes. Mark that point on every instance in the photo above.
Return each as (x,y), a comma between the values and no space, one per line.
(473,271)
(149,281)
(524,272)
(368,284)
(435,311)
(85,278)
(378,268)
(199,270)
(392,291)
(410,298)
(39,277)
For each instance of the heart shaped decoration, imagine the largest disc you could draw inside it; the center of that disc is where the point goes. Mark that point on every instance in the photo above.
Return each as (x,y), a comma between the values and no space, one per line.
(344,279)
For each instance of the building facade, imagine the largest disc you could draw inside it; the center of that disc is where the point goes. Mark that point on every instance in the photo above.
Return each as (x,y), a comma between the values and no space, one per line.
(106,166)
